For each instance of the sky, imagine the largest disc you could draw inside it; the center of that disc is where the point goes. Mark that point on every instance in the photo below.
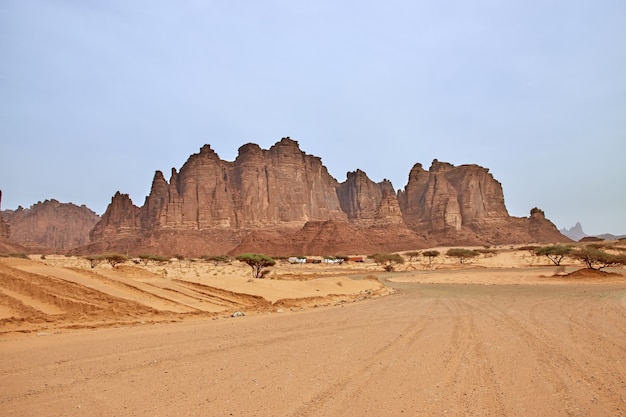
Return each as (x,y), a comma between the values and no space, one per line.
(95,96)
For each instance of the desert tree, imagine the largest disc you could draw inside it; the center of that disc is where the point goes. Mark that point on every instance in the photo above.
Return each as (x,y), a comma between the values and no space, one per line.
(487,252)
(430,254)
(281,258)
(216,259)
(462,254)
(412,255)
(258,262)
(180,259)
(531,249)
(144,258)
(595,258)
(556,253)
(376,257)
(388,260)
(94,260)
(114,259)
(160,260)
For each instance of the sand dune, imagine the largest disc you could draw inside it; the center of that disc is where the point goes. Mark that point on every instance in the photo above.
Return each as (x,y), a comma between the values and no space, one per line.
(62,293)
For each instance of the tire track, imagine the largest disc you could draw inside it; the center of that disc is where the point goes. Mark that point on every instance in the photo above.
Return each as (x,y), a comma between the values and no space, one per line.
(567,378)
(382,360)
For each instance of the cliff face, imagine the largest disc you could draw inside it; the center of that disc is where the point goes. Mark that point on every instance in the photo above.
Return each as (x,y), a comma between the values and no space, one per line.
(120,219)
(51,225)
(449,197)
(280,187)
(367,203)
(286,198)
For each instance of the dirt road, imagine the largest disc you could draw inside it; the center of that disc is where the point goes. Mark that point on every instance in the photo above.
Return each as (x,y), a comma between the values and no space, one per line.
(432,350)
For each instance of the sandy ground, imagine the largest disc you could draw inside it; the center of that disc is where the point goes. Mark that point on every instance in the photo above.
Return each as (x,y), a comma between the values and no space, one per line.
(494,338)
(59,293)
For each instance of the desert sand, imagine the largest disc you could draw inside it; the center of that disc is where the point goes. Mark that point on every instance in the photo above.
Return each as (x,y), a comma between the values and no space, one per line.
(500,336)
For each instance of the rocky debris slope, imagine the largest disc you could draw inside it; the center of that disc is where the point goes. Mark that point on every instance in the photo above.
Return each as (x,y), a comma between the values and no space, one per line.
(283,200)
(51,226)
(5,232)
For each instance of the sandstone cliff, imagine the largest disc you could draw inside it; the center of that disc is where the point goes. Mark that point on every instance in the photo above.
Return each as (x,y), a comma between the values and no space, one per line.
(449,197)
(367,203)
(276,188)
(284,201)
(51,226)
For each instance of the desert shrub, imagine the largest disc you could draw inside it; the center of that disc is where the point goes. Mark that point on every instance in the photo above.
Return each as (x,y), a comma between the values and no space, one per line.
(462,254)
(14,255)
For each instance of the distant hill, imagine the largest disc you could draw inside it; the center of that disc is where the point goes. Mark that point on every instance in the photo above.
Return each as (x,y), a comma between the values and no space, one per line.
(576,233)
(609,236)
(50,226)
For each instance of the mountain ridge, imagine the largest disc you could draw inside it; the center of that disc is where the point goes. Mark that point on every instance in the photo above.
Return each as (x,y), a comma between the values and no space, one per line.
(286,193)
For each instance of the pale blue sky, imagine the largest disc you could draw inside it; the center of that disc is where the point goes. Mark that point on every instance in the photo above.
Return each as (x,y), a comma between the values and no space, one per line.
(97,95)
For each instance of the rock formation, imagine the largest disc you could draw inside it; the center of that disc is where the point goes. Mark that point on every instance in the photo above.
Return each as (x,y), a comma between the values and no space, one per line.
(284,201)
(4,226)
(51,226)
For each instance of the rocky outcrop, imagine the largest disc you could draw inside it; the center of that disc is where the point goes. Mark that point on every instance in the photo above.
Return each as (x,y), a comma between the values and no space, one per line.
(284,201)
(51,226)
